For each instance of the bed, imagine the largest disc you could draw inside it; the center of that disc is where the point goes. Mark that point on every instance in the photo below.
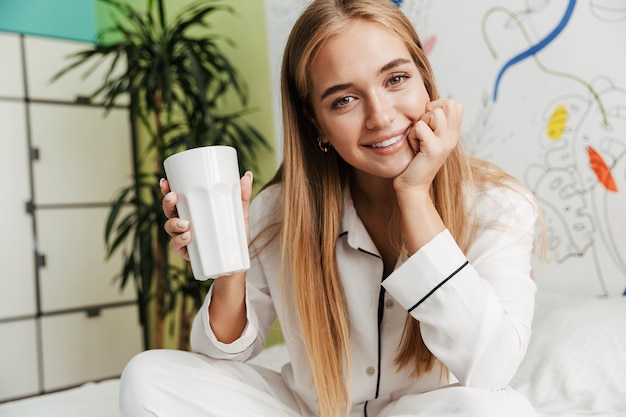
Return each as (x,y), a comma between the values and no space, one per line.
(575,366)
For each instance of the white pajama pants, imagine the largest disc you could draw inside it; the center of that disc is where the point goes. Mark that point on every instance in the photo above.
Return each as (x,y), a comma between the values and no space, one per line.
(170,383)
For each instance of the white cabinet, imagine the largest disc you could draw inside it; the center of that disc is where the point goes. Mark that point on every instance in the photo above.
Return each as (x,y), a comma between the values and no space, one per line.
(17,297)
(88,345)
(99,162)
(11,73)
(19,373)
(45,57)
(63,319)
(76,273)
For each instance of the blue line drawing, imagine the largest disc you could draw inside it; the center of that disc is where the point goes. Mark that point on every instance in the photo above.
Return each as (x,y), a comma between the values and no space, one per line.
(537,47)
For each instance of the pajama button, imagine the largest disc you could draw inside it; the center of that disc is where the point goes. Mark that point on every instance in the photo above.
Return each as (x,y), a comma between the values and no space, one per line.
(370,371)
(389,303)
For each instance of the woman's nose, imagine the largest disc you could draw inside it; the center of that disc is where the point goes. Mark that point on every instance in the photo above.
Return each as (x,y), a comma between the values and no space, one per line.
(380,112)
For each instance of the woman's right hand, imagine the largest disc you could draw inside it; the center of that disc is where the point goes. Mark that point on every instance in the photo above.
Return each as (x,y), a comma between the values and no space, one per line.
(176,227)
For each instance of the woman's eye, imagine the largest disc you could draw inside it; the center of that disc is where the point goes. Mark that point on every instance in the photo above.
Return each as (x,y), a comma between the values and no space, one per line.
(397,79)
(342,102)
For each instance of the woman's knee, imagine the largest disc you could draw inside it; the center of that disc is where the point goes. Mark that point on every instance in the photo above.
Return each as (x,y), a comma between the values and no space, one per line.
(139,365)
(140,382)
(464,401)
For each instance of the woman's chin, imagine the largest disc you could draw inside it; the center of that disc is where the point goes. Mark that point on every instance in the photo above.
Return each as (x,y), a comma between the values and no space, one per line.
(394,171)
(402,163)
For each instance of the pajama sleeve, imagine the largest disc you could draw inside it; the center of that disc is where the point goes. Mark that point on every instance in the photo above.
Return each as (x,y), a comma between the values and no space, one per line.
(475,309)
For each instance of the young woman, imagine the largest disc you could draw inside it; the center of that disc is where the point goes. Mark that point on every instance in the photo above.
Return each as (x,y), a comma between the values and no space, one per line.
(398,267)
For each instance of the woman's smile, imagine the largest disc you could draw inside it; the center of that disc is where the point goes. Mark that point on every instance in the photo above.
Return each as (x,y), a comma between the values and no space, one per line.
(392,144)
(387,142)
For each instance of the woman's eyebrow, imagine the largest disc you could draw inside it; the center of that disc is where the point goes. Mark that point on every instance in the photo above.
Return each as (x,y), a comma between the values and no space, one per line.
(334,89)
(393,64)
(385,68)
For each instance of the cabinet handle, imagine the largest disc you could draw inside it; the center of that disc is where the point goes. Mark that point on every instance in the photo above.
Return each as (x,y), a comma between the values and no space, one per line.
(34,154)
(41,260)
(93,312)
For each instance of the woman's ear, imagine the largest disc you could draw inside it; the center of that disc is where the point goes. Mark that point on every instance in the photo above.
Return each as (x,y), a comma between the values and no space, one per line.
(310,117)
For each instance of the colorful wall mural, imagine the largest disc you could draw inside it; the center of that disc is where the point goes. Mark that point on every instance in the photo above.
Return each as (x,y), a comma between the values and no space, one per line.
(543,83)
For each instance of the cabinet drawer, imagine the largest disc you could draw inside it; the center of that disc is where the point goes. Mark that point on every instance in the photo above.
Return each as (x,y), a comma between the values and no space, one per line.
(76,273)
(79,348)
(17,297)
(84,156)
(18,359)
(11,73)
(46,57)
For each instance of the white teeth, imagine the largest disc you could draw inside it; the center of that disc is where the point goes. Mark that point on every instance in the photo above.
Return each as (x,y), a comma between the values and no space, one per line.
(387,142)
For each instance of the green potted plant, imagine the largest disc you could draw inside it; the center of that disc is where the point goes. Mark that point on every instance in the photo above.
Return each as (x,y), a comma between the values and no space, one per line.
(175,77)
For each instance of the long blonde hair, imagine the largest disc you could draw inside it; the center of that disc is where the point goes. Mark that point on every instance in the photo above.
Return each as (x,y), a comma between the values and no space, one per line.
(312,183)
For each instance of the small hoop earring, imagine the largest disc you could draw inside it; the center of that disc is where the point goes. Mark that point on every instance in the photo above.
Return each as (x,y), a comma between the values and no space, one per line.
(323,146)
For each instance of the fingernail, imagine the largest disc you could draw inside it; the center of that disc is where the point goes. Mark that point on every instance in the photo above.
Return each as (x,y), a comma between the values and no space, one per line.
(249,174)
(185,236)
(169,196)
(161,182)
(182,223)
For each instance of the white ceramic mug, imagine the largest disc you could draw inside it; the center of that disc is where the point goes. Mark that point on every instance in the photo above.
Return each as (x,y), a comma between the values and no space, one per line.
(206,181)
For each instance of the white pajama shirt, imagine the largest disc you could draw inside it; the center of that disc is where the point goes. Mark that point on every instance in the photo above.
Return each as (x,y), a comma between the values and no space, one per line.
(475,312)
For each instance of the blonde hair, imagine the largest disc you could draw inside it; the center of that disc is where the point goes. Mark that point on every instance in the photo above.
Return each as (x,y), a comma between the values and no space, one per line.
(312,183)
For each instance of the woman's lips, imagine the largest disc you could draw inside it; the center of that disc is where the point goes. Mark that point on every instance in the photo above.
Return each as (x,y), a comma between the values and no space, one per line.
(388,142)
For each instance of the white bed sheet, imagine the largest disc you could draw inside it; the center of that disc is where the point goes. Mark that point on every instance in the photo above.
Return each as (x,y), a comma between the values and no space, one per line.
(575,367)
(576,361)
(94,399)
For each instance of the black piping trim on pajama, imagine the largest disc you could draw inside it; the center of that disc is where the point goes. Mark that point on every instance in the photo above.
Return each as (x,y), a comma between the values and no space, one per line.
(439,286)
(381,309)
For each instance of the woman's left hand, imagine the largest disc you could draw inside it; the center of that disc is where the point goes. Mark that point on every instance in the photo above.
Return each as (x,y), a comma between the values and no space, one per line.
(432,138)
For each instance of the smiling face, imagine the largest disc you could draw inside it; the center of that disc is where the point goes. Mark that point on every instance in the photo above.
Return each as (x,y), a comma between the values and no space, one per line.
(367,94)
